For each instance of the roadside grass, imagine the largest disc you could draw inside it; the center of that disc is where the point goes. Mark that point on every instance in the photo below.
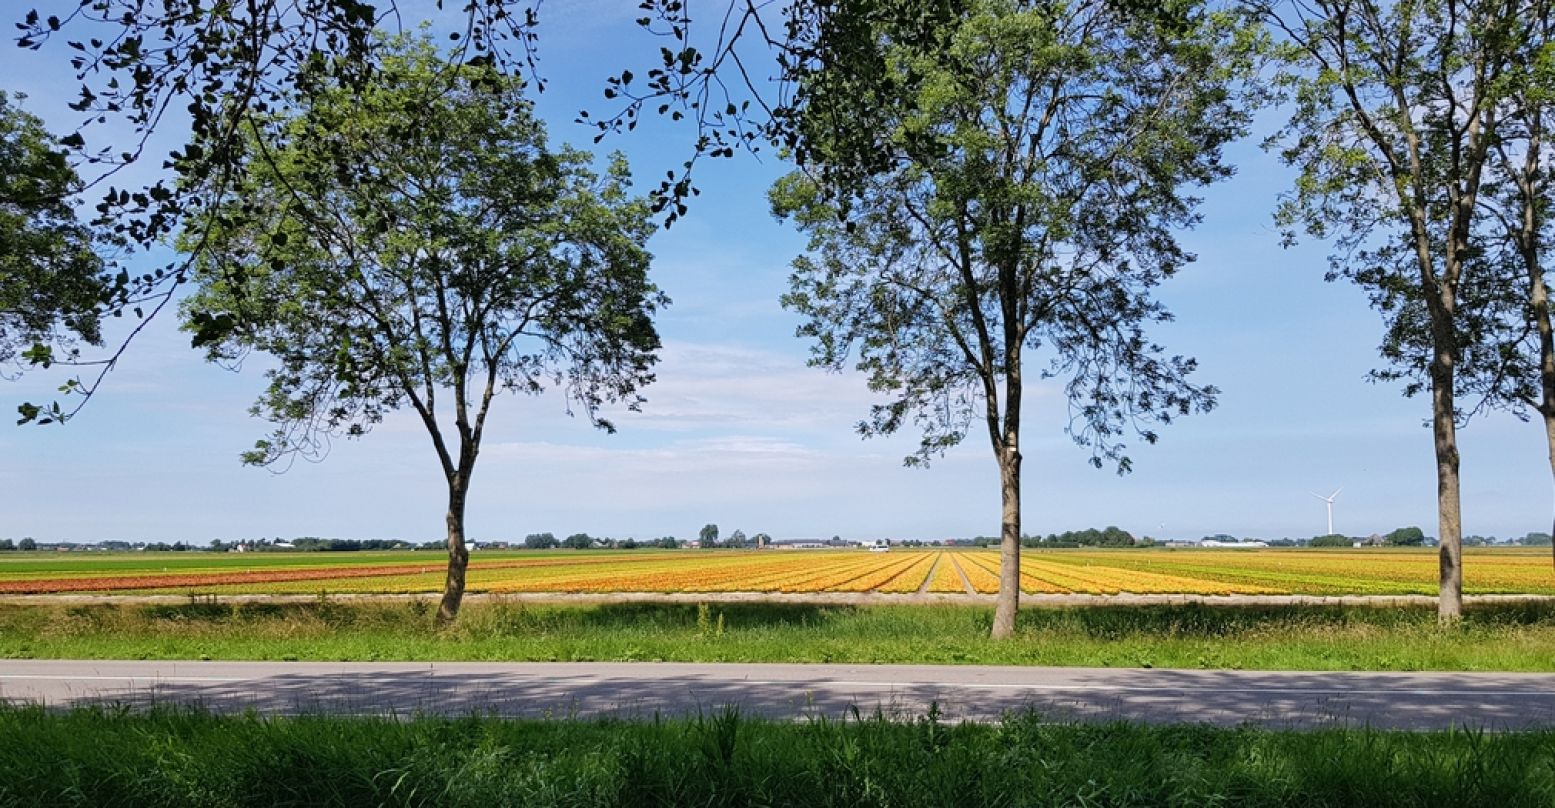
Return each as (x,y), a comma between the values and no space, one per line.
(176,758)
(1502,637)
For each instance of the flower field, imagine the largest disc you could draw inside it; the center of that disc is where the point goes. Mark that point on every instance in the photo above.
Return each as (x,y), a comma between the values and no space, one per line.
(901,571)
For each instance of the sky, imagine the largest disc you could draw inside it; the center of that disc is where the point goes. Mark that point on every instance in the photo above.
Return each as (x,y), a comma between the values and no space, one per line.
(738,431)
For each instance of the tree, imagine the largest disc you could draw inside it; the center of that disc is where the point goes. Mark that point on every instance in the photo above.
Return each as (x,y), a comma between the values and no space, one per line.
(578,541)
(541,541)
(142,67)
(1009,182)
(708,535)
(1537,539)
(1112,536)
(51,276)
(1395,115)
(1519,372)
(1331,540)
(6,545)
(1406,537)
(27,544)
(737,539)
(415,238)
(761,540)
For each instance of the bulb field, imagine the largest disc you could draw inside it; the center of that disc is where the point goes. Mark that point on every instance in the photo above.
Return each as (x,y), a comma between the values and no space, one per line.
(902,571)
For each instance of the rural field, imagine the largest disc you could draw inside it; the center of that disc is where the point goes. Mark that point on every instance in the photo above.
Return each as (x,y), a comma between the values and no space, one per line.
(902,571)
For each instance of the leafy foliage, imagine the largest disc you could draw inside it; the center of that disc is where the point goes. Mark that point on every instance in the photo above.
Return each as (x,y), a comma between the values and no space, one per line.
(224,70)
(414,235)
(1011,180)
(51,276)
(1392,128)
(541,541)
(1110,536)
(1396,113)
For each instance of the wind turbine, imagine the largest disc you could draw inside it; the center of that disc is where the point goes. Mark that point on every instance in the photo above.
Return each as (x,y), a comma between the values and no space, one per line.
(1330,500)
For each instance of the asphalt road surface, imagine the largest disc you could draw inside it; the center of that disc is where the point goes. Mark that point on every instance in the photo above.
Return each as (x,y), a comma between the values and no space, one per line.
(641,689)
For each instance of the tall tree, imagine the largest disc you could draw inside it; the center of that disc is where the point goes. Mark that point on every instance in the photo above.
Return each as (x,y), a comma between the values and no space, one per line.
(51,275)
(1520,370)
(142,65)
(1005,187)
(412,238)
(1396,113)
(208,68)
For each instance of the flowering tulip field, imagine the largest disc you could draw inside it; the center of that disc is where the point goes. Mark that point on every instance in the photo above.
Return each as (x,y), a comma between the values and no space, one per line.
(901,571)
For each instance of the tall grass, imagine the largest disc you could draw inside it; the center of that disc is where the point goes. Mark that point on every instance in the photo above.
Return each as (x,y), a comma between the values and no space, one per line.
(1507,637)
(177,758)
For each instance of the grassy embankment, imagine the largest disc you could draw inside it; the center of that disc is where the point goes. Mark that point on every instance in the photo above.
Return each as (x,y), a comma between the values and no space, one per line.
(182,758)
(1505,638)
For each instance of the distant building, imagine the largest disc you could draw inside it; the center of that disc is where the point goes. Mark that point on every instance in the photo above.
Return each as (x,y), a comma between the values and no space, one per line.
(798,544)
(1232,543)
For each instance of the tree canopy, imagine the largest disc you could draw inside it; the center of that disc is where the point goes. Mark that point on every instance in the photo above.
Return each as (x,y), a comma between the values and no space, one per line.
(1009,188)
(227,70)
(51,274)
(1395,115)
(415,238)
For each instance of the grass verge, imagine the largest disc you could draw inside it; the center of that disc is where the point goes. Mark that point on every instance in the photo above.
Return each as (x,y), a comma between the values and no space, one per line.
(1518,637)
(172,758)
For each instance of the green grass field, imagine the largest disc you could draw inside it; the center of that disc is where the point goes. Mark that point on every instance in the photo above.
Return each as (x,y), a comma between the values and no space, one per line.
(1507,637)
(96,758)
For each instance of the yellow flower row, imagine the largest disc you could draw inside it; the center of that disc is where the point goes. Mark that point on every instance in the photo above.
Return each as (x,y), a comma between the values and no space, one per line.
(911,579)
(852,578)
(983,578)
(946,578)
(832,566)
(888,573)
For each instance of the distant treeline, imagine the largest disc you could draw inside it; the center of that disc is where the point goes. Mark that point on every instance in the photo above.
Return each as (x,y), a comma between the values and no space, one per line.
(316,544)
(1109,536)
(583,541)
(351,544)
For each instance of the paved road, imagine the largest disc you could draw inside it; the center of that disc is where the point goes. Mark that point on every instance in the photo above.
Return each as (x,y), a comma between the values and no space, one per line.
(1278,699)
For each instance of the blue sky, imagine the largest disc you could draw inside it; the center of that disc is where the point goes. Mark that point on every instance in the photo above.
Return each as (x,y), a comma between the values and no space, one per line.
(739,432)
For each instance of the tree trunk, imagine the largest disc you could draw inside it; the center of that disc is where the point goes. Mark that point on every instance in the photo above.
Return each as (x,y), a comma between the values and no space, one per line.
(458,553)
(1540,300)
(1448,506)
(1008,601)
(1549,437)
